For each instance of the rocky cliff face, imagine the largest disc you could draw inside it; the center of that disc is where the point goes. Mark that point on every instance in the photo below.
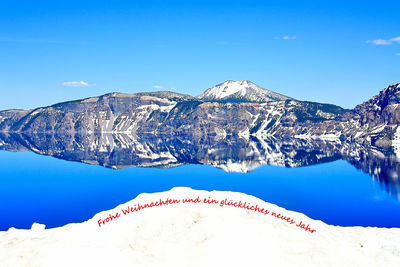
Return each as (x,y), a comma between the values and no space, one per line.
(10,117)
(168,114)
(165,129)
(373,123)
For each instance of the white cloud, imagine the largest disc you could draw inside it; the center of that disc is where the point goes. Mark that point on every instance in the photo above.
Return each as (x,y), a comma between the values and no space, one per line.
(76,84)
(289,37)
(173,88)
(385,41)
(379,42)
(158,87)
(398,54)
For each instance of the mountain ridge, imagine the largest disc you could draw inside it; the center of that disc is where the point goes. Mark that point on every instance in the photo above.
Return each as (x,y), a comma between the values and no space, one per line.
(374,122)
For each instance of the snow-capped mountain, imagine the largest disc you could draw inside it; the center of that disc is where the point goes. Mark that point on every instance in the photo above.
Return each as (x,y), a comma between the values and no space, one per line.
(166,129)
(240,91)
(373,123)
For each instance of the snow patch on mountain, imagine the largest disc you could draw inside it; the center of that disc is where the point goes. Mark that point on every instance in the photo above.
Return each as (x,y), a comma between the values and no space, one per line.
(241,90)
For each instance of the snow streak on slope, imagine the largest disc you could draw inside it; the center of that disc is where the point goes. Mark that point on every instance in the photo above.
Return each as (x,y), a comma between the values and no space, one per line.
(396,142)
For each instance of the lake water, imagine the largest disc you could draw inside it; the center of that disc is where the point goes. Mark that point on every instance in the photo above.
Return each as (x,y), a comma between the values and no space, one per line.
(54,192)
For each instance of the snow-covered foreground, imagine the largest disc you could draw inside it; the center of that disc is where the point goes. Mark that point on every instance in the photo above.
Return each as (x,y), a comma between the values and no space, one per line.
(231,231)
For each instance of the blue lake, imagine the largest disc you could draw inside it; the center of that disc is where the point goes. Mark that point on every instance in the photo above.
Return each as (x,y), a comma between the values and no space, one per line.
(54,192)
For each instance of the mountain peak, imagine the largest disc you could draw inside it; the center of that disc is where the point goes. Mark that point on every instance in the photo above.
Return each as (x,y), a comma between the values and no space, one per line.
(241,91)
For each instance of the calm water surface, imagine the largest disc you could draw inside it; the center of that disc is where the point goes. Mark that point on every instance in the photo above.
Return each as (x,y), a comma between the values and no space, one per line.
(54,192)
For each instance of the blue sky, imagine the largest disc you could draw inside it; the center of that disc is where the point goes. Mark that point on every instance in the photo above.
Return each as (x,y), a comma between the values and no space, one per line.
(340,52)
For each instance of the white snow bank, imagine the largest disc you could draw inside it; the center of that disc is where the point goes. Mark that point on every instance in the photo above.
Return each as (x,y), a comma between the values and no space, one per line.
(200,234)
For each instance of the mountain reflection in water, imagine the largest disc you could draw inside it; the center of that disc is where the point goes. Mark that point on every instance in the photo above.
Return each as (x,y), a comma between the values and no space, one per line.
(230,153)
